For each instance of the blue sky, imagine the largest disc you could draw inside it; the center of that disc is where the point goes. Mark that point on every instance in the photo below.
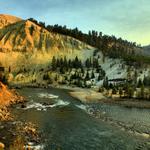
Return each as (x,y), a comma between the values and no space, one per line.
(129,19)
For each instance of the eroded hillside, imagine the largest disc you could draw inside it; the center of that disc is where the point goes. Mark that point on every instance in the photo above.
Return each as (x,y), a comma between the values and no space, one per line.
(7,20)
(24,43)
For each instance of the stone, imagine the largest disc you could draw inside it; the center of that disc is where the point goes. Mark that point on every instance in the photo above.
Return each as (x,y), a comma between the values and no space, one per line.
(2,146)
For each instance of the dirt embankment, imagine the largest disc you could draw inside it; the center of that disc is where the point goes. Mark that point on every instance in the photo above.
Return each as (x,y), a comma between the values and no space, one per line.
(7,98)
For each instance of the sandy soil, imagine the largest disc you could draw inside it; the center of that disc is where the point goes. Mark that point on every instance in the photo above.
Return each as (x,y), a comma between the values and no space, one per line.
(90,96)
(87,95)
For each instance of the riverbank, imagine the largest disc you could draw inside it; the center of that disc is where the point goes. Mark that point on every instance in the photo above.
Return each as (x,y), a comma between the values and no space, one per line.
(87,95)
(90,96)
(8,98)
(61,118)
(67,114)
(14,135)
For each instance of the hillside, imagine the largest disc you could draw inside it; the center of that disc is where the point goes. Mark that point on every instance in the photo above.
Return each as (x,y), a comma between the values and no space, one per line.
(7,20)
(28,47)
(25,36)
(25,43)
(110,46)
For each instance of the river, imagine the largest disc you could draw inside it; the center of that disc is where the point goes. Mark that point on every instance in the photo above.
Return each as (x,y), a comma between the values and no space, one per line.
(67,124)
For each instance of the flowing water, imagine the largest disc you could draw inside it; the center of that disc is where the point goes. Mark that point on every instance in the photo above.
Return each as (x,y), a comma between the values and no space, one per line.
(67,124)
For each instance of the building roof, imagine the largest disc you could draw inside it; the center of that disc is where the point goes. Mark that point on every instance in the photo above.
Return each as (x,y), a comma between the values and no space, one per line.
(117,80)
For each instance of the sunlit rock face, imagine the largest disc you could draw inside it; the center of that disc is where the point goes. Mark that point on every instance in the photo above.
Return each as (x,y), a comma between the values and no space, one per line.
(24,44)
(26,36)
(6,20)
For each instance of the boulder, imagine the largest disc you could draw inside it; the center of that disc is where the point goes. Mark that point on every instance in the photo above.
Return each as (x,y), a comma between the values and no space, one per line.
(2,146)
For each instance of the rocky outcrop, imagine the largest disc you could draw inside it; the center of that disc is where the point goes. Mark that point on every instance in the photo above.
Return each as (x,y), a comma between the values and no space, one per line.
(5,114)
(7,98)
(2,146)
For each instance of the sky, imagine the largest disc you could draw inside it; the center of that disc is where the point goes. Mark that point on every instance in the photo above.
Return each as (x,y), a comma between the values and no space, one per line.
(128,19)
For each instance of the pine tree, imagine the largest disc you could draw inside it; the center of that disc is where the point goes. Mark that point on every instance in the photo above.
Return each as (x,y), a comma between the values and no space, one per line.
(105,83)
(87,76)
(95,63)
(70,64)
(93,75)
(77,63)
(142,92)
(114,91)
(135,77)
(120,92)
(130,92)
(57,63)
(61,62)
(140,83)
(9,70)
(65,63)
(54,63)
(45,77)
(87,63)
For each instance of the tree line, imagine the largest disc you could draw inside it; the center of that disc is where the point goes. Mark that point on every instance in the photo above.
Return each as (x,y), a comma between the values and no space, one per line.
(110,45)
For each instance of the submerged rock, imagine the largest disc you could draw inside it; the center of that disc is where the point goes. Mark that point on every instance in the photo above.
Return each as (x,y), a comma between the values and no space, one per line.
(2,146)
(23,106)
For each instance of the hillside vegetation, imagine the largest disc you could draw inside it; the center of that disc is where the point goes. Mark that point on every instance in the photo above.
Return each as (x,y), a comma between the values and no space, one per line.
(27,44)
(109,45)
(38,55)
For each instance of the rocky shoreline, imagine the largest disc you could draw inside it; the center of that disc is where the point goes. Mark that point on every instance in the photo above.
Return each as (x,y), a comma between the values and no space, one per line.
(92,96)
(15,134)
(30,132)
(8,98)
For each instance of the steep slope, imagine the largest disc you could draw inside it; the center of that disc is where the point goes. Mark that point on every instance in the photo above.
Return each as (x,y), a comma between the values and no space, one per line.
(25,44)
(7,20)
(25,36)
(26,50)
(7,98)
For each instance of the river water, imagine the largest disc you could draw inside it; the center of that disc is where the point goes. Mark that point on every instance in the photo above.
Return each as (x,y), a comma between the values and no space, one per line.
(67,124)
